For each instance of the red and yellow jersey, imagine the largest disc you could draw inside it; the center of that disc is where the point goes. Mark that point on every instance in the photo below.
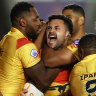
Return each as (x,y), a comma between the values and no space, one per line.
(60,86)
(74,48)
(16,53)
(83,77)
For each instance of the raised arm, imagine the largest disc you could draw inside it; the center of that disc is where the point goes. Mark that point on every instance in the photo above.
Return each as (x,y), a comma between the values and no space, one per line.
(40,38)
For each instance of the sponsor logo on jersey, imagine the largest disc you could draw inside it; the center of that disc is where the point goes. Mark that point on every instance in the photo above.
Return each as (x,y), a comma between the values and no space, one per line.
(88,76)
(34,53)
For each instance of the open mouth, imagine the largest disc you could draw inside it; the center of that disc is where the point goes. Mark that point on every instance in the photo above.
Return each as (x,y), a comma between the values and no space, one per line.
(52,39)
(52,36)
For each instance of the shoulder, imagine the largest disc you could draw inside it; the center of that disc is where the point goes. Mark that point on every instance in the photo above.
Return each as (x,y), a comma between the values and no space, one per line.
(22,41)
(79,68)
(9,40)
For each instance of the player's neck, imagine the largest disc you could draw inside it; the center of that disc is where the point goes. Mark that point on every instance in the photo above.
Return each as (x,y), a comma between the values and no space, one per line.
(22,30)
(79,34)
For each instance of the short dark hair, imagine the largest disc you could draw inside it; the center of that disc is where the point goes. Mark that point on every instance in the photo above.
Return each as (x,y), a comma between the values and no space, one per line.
(75,8)
(66,20)
(18,9)
(88,43)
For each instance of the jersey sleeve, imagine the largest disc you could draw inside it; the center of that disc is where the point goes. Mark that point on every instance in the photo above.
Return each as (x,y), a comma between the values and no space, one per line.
(74,48)
(28,54)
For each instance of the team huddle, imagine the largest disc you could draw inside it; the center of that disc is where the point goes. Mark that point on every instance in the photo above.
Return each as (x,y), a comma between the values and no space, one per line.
(56,58)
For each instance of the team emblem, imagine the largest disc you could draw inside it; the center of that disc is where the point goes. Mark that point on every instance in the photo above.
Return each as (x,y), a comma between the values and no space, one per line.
(34,53)
(75,43)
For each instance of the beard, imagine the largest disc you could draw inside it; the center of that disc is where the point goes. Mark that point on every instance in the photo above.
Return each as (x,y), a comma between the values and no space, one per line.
(57,47)
(31,34)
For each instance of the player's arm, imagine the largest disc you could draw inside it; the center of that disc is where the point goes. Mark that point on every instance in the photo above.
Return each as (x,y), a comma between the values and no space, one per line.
(41,76)
(61,57)
(34,67)
(1,94)
(40,39)
(23,92)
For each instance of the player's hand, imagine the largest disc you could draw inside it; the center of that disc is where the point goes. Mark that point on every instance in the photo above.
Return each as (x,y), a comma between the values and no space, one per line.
(42,21)
(40,39)
(42,28)
(23,92)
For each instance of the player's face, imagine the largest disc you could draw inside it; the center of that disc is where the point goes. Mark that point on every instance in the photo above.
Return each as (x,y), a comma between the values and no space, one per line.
(33,24)
(74,18)
(56,33)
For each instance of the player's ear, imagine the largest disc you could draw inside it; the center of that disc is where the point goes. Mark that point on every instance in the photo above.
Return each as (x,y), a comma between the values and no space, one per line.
(67,35)
(22,22)
(81,20)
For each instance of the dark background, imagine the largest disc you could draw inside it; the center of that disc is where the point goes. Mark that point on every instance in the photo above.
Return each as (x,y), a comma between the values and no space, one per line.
(46,8)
